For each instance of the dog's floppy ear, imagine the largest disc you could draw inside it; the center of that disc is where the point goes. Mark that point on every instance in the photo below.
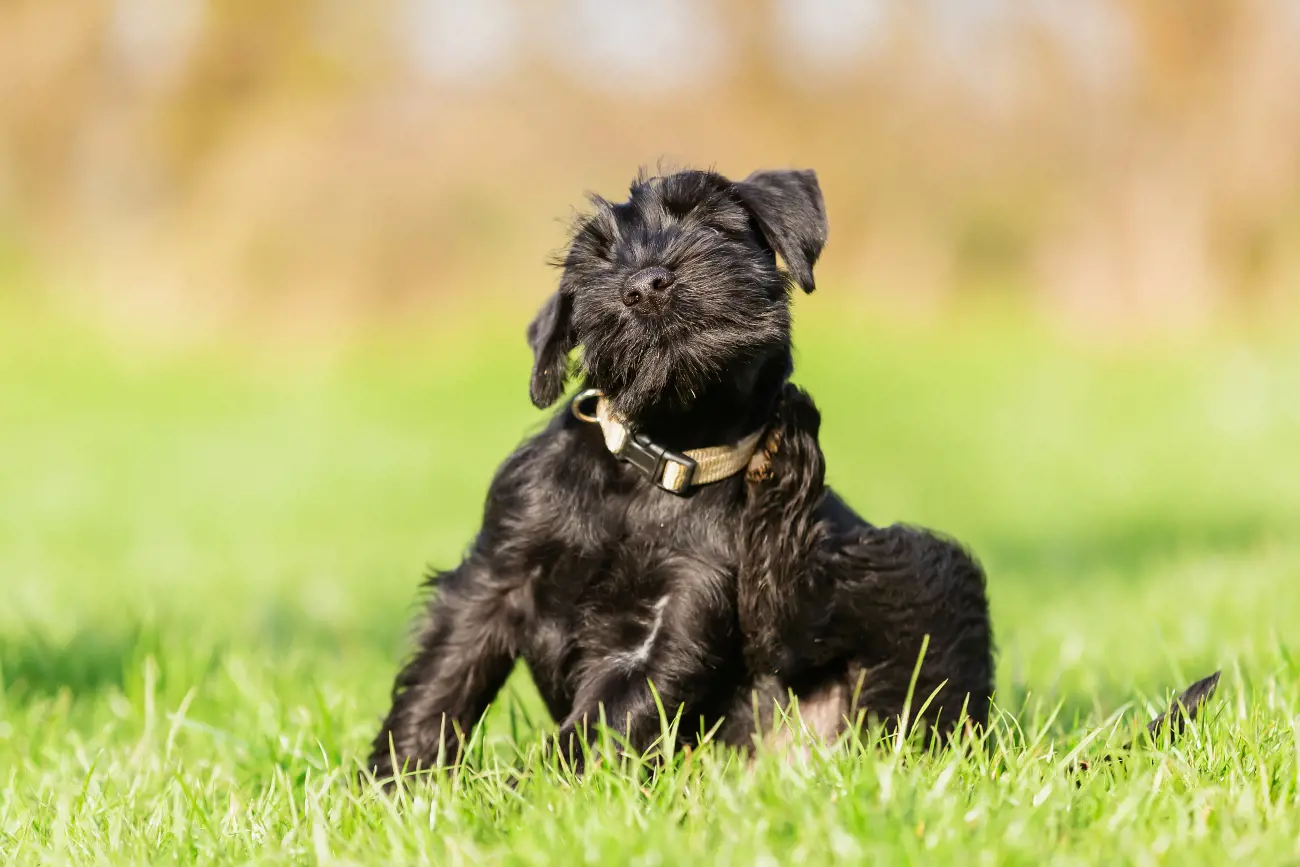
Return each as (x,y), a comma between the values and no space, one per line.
(551,337)
(789,209)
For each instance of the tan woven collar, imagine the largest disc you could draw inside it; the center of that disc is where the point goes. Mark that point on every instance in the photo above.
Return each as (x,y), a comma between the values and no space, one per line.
(673,471)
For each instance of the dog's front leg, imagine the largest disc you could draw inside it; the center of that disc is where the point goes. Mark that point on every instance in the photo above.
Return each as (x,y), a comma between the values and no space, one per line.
(782,581)
(465,653)
(621,695)
(628,709)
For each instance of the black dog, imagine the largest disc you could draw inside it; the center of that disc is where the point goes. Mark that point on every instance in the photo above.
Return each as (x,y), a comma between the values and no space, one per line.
(667,565)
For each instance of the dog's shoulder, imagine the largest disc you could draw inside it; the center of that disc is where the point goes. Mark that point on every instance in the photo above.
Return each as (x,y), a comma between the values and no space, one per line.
(563,442)
(560,469)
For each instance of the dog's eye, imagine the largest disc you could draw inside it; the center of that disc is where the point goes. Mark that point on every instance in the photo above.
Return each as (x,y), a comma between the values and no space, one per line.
(595,239)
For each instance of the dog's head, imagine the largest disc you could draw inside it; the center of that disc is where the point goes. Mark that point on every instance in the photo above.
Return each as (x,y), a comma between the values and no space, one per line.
(679,287)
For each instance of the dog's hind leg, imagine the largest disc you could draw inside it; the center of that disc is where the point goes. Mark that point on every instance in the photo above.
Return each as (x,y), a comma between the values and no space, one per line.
(816,589)
(910,608)
(465,653)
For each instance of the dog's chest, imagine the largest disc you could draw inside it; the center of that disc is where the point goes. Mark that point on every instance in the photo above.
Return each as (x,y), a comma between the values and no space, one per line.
(650,574)
(664,581)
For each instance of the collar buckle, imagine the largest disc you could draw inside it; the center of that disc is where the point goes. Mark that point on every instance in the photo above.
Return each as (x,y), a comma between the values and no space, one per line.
(670,470)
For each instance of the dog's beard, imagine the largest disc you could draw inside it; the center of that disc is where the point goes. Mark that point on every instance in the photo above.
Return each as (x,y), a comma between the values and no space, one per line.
(654,377)
(662,371)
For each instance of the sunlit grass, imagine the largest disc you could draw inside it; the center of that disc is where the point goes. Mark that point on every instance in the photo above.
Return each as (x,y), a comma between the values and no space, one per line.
(209,564)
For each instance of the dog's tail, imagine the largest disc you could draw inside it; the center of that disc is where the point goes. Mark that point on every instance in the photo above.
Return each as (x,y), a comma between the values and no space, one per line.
(1183,711)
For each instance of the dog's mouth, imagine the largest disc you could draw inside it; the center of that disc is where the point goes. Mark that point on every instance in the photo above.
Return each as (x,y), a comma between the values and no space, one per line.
(672,361)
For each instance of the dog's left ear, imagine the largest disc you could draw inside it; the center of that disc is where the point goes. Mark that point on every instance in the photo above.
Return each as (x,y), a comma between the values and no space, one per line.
(551,337)
(789,209)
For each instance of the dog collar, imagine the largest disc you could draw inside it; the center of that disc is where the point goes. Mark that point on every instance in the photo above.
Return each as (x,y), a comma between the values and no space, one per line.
(671,470)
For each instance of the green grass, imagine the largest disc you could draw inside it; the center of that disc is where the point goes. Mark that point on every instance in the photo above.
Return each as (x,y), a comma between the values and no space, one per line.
(209,565)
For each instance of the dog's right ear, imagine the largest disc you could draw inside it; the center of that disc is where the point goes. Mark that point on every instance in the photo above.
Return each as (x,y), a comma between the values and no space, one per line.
(551,337)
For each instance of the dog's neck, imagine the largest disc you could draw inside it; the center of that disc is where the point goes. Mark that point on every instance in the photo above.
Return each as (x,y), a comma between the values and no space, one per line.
(725,412)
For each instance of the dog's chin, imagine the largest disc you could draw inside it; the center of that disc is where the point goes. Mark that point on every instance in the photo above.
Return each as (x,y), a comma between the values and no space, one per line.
(650,390)
(652,374)
(658,387)
(653,386)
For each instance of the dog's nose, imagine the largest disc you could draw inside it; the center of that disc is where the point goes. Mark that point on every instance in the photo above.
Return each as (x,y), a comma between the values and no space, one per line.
(647,289)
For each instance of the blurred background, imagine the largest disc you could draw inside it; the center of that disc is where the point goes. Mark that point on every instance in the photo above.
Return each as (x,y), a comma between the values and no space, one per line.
(184,168)
(265,270)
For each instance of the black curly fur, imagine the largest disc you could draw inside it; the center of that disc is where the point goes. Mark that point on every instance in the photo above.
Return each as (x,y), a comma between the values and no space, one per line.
(604,583)
(821,590)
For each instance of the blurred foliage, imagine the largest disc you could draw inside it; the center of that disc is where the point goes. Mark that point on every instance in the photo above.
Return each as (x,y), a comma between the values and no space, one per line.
(182,165)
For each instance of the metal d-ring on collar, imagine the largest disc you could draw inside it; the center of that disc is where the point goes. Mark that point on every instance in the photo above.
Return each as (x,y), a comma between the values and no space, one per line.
(591,396)
(668,469)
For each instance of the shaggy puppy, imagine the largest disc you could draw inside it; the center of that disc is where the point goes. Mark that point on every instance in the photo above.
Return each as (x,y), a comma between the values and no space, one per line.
(643,537)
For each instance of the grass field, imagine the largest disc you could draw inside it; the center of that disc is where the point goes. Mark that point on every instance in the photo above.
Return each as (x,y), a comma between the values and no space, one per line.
(209,563)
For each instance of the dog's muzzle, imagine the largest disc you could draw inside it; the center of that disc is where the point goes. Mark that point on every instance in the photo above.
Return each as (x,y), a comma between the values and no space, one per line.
(671,470)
